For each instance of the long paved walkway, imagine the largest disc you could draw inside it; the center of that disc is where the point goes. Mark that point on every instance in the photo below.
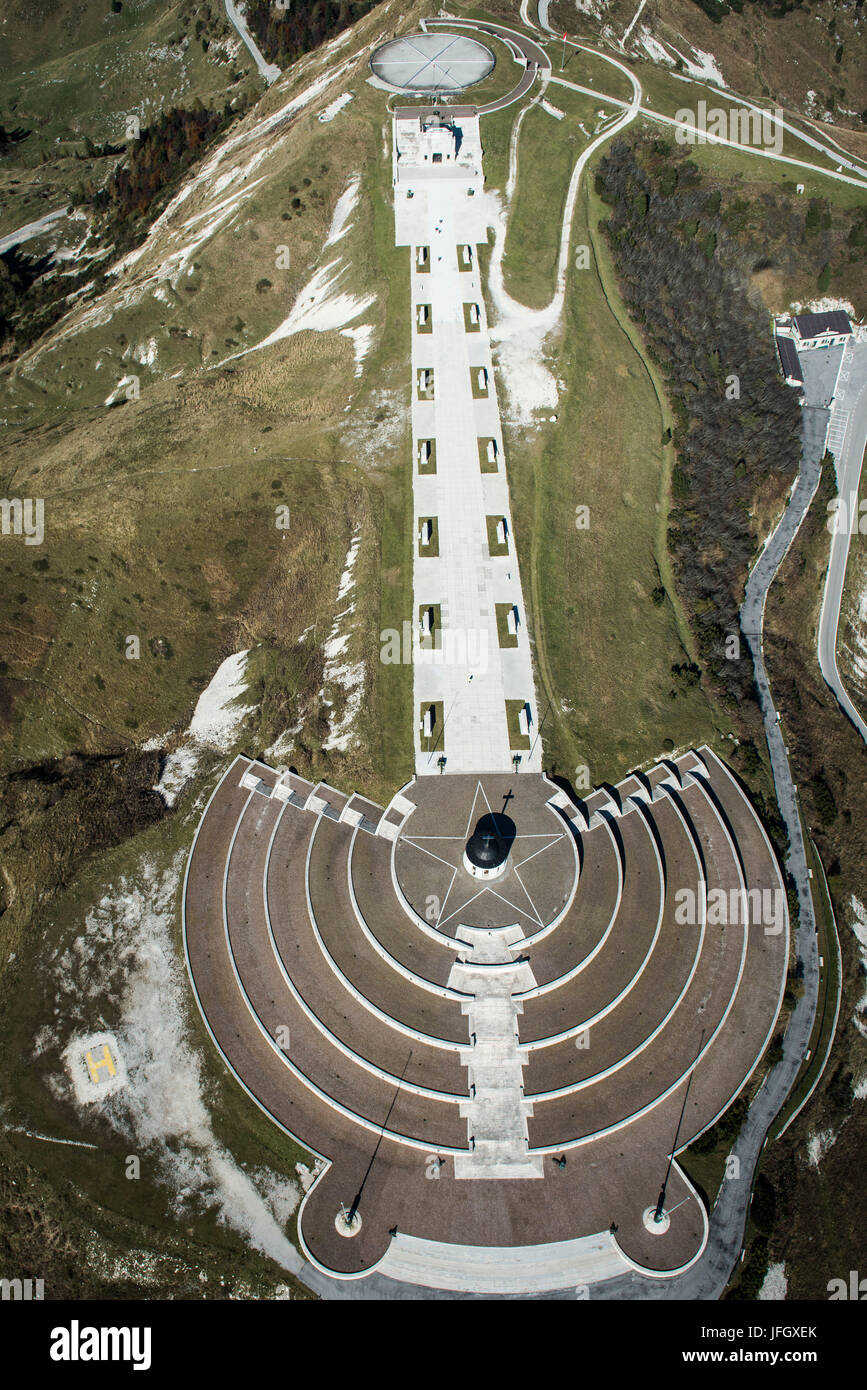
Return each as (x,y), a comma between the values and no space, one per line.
(465,570)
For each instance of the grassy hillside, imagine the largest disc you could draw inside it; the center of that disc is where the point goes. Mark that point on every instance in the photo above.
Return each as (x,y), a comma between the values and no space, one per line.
(814,49)
(161,512)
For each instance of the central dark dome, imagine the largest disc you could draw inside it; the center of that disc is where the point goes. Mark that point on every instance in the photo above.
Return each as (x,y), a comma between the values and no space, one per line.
(488,846)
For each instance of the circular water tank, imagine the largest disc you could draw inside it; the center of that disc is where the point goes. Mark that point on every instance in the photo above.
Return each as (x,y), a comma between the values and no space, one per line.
(432,62)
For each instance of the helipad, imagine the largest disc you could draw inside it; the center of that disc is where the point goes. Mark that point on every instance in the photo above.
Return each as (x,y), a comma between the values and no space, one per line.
(432,62)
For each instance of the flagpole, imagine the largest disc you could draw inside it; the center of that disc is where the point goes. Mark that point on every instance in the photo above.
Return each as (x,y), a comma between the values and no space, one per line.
(563,64)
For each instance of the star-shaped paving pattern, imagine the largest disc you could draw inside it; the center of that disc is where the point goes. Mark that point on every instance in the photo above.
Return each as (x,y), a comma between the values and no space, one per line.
(448,895)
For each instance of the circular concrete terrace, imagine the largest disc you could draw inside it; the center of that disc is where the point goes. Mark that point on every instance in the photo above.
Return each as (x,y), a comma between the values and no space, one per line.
(452,1075)
(434,62)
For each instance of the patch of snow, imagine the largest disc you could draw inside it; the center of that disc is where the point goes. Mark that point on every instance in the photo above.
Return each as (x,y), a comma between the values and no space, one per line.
(179,768)
(96,1067)
(702,66)
(632,23)
(281,1194)
(243,151)
(127,953)
(371,432)
(361,338)
(774,1287)
(857,653)
(519,333)
(859,927)
(319,308)
(346,580)
(307,1176)
(859,1089)
(218,714)
(30,230)
(818,1145)
(284,744)
(343,210)
(657,51)
(334,107)
(119,390)
(859,924)
(146,354)
(822,306)
(350,677)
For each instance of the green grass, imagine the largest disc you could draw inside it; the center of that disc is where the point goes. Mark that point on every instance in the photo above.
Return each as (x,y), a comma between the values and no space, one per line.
(169,555)
(126,63)
(547,151)
(496,129)
(388,724)
(485,464)
(517,741)
(495,546)
(431,549)
(480,389)
(588,70)
(469,326)
(160,513)
(604,650)
(505,637)
(665,94)
(746,164)
(432,640)
(435,740)
(430,464)
(706,1171)
(578,106)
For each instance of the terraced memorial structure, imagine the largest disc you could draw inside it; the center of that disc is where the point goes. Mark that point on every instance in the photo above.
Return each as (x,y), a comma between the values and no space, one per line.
(512,1075)
(498,1048)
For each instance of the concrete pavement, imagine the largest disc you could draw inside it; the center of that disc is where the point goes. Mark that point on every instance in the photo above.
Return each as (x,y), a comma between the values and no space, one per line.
(847,438)
(439,212)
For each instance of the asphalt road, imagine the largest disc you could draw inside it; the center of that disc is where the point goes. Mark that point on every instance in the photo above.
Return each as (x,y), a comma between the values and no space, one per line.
(849,426)
(708,1277)
(535,56)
